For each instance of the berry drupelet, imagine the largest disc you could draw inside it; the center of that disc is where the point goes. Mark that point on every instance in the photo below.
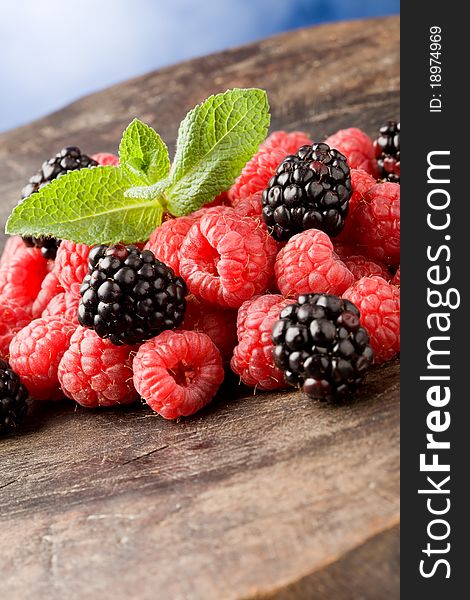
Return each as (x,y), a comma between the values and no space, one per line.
(68,159)
(129,296)
(387,152)
(311,189)
(321,347)
(13,396)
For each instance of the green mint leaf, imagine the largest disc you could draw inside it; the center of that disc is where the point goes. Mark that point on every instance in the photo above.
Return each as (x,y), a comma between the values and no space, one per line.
(215,141)
(149,192)
(143,152)
(88,206)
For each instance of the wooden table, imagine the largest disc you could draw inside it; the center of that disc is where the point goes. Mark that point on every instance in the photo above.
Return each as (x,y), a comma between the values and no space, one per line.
(259,496)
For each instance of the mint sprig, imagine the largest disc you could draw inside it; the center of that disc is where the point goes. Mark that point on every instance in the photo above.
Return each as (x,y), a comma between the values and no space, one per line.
(87,209)
(126,203)
(215,141)
(143,152)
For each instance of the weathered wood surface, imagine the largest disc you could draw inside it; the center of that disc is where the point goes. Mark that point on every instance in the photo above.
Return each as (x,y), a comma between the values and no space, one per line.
(268,496)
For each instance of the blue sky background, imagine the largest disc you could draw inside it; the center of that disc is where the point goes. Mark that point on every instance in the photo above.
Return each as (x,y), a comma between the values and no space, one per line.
(53,51)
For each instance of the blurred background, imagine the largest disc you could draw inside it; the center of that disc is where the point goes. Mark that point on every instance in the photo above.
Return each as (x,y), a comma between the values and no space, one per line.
(53,52)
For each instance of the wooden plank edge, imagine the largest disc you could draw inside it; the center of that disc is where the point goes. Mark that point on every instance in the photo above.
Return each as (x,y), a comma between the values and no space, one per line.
(369,571)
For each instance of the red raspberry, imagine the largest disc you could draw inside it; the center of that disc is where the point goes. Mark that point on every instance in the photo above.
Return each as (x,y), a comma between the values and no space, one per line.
(165,242)
(251,207)
(357,147)
(12,318)
(256,173)
(288,142)
(71,264)
(106,158)
(225,260)
(377,223)
(345,250)
(13,245)
(379,304)
(307,263)
(50,287)
(262,166)
(94,372)
(64,304)
(396,278)
(35,353)
(360,266)
(178,372)
(361,183)
(253,357)
(243,312)
(220,200)
(220,324)
(21,273)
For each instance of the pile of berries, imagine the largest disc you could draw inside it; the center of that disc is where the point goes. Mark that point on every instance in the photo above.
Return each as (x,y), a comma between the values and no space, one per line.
(290,278)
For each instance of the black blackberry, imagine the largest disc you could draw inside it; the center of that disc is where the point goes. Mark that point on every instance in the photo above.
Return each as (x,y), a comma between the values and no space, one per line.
(129,296)
(311,189)
(68,159)
(321,347)
(387,151)
(48,245)
(13,396)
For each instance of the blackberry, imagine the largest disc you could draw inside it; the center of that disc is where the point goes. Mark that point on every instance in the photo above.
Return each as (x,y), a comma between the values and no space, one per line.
(387,151)
(128,296)
(68,159)
(321,347)
(311,189)
(13,396)
(48,245)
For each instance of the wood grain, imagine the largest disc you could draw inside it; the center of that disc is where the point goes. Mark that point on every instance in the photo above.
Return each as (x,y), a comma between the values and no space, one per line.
(269,496)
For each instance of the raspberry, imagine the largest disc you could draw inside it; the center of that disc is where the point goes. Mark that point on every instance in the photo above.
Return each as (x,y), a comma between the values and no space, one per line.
(307,263)
(360,266)
(225,260)
(256,173)
(13,396)
(13,317)
(218,323)
(220,200)
(311,189)
(35,353)
(68,159)
(128,296)
(253,356)
(377,223)
(178,372)
(357,147)
(387,151)
(165,242)
(72,265)
(64,304)
(396,278)
(345,250)
(379,305)
(50,287)
(94,372)
(251,207)
(288,142)
(262,166)
(105,159)
(321,347)
(13,245)
(21,274)
(361,182)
